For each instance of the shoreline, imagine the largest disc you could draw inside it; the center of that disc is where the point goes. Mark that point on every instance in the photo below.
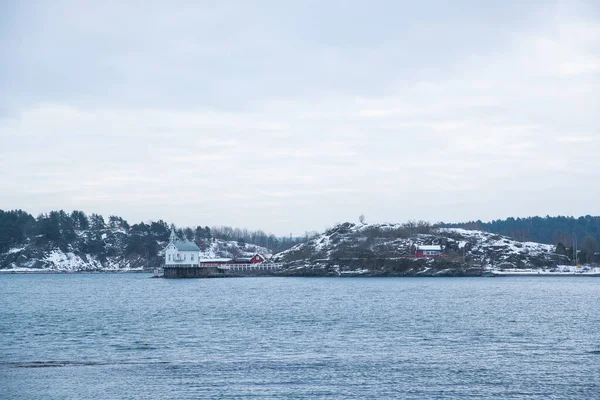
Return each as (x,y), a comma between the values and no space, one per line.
(593,274)
(487,274)
(54,272)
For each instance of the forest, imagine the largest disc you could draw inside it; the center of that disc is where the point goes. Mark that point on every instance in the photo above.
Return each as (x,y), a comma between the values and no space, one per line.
(61,228)
(562,231)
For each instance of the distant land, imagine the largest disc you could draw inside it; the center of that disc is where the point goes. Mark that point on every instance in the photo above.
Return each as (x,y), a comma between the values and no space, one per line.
(75,242)
(549,230)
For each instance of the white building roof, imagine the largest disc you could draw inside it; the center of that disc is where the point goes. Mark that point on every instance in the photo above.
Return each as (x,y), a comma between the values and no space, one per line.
(430,247)
(186,246)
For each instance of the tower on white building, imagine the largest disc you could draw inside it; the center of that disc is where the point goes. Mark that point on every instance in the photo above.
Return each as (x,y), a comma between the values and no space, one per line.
(181,253)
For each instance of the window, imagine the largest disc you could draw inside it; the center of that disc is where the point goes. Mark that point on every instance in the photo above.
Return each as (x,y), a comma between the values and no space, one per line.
(169,257)
(192,257)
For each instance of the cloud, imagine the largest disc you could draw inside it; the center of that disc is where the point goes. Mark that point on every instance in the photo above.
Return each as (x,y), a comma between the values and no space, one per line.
(300,115)
(575,139)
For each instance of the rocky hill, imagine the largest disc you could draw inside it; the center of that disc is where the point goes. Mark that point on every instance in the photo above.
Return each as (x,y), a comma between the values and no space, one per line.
(109,249)
(59,243)
(387,249)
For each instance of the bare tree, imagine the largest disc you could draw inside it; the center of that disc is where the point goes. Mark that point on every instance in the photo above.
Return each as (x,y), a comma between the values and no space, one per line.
(234,250)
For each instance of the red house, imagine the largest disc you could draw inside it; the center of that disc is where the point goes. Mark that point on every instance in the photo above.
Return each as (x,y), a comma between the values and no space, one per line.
(428,251)
(255,259)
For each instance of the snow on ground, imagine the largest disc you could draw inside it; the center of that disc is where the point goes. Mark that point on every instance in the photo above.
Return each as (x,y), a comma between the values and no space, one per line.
(355,272)
(24,270)
(491,248)
(69,261)
(221,248)
(322,242)
(15,250)
(495,240)
(559,270)
(483,247)
(57,260)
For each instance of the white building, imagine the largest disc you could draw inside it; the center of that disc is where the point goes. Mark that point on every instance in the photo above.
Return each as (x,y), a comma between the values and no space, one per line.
(428,250)
(181,253)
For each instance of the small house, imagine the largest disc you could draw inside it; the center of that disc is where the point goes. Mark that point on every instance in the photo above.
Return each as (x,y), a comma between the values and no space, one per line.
(255,259)
(434,250)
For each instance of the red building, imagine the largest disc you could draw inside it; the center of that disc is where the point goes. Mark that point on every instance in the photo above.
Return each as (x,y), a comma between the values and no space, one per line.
(255,259)
(215,262)
(428,251)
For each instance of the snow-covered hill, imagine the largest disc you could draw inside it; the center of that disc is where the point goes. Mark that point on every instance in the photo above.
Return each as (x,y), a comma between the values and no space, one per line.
(104,250)
(496,251)
(346,249)
(218,248)
(386,249)
(108,250)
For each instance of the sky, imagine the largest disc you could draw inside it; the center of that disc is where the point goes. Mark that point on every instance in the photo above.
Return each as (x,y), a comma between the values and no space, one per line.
(292,116)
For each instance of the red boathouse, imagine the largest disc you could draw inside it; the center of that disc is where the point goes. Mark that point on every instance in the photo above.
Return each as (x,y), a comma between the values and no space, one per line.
(428,251)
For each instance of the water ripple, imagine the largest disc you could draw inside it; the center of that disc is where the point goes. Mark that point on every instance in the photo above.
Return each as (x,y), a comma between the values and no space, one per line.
(126,336)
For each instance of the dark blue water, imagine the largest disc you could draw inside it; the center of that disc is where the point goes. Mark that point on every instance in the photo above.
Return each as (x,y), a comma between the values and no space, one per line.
(131,337)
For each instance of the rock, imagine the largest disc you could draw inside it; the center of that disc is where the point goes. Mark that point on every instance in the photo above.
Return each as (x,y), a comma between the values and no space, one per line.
(386,250)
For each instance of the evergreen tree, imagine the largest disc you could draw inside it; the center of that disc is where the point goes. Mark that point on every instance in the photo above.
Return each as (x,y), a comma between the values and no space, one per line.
(97,222)
(80,220)
(140,229)
(199,233)
(49,225)
(94,245)
(12,227)
(540,229)
(67,227)
(160,230)
(561,249)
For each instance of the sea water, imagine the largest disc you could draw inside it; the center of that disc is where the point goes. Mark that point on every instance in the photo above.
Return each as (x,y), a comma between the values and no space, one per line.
(127,336)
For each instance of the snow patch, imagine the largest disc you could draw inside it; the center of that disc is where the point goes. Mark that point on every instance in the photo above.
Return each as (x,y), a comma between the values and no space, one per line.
(355,272)
(559,270)
(15,250)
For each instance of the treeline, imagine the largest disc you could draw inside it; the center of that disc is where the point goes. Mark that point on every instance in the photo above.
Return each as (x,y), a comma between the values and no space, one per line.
(61,228)
(259,238)
(18,227)
(562,231)
(80,232)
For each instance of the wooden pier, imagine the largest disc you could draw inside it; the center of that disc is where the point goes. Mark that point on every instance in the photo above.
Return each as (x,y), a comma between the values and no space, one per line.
(221,270)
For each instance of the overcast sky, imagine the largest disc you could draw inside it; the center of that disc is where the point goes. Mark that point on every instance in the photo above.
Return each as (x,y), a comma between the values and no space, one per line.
(290,116)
